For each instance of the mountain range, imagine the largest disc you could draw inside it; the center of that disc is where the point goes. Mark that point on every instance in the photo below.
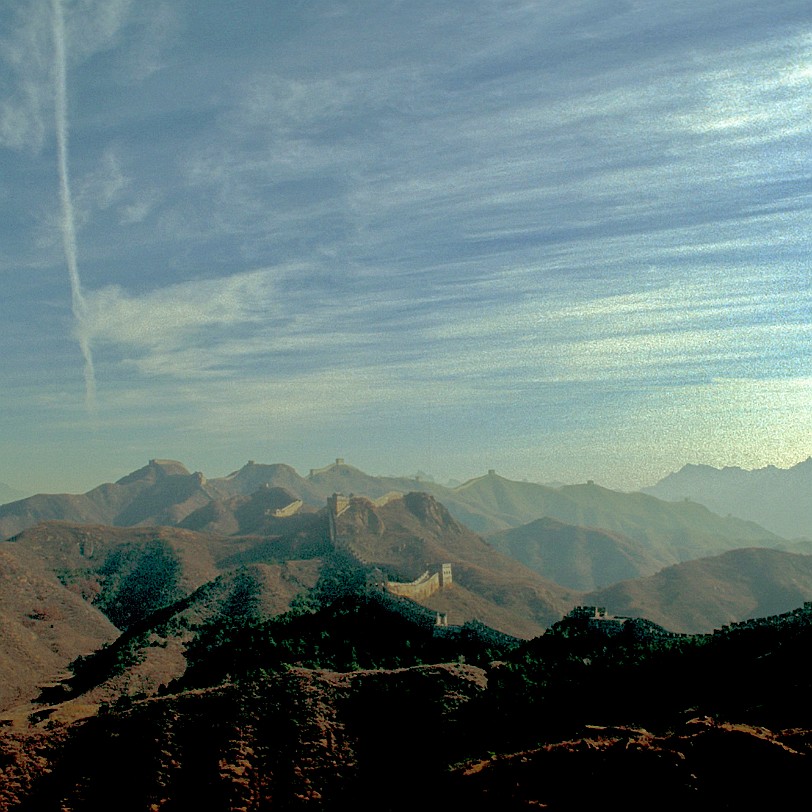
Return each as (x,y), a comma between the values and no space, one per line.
(160,537)
(164,492)
(571,540)
(146,587)
(777,498)
(169,639)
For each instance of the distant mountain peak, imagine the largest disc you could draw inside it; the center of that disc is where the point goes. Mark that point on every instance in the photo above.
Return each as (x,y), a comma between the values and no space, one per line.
(171,467)
(491,475)
(777,498)
(156,467)
(338,464)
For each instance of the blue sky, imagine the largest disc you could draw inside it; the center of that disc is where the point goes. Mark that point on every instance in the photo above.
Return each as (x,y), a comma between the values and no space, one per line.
(562,240)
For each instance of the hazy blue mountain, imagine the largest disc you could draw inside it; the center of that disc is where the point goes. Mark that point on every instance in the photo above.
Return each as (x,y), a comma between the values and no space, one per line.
(164,492)
(780,499)
(254,476)
(675,531)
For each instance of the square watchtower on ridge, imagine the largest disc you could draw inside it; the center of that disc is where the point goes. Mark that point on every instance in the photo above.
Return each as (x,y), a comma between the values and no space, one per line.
(446,578)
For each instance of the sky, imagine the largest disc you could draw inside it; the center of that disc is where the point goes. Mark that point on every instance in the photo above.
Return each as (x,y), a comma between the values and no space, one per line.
(559,240)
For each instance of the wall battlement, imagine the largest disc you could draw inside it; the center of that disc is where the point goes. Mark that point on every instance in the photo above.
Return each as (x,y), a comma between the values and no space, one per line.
(314,471)
(336,505)
(289,510)
(387,498)
(425,586)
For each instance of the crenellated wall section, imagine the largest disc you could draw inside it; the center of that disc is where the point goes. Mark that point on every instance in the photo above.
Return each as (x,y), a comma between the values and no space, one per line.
(425,586)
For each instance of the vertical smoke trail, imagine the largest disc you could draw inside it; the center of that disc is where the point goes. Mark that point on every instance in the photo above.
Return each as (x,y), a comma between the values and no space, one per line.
(68,223)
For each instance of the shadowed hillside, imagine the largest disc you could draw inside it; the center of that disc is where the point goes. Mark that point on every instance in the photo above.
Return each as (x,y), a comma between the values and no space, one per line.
(634,720)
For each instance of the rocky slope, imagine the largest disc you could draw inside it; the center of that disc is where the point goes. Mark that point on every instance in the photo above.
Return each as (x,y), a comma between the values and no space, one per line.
(43,627)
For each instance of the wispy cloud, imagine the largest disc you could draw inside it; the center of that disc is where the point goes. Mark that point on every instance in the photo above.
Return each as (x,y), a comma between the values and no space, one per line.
(26,52)
(404,212)
(68,223)
(166,318)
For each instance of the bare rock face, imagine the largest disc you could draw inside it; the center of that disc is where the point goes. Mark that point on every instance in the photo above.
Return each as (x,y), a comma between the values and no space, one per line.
(428,510)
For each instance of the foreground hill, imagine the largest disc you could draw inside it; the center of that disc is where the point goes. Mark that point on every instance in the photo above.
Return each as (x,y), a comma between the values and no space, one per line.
(68,589)
(574,719)
(777,498)
(700,595)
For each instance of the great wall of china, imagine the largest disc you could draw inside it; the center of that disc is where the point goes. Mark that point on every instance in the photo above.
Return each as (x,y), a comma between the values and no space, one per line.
(289,510)
(424,587)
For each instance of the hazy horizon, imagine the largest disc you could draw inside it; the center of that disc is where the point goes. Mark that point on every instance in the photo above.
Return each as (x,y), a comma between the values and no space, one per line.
(428,476)
(562,241)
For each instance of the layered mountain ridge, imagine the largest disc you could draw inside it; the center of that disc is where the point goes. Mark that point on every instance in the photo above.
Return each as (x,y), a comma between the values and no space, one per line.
(250,641)
(777,498)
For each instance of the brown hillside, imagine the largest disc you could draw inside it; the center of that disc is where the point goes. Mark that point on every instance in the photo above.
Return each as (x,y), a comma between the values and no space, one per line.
(414,533)
(700,595)
(152,655)
(582,558)
(44,625)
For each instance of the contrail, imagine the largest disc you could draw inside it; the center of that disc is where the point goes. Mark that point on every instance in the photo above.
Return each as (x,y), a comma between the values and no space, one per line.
(68,224)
